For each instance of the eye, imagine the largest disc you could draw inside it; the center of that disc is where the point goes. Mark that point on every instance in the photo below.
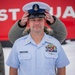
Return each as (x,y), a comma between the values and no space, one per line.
(32,20)
(40,19)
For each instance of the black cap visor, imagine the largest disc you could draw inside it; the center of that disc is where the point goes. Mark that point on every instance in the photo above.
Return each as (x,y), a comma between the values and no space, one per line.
(36,14)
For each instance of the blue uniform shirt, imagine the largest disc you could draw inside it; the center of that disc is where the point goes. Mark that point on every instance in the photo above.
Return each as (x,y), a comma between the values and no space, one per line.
(33,59)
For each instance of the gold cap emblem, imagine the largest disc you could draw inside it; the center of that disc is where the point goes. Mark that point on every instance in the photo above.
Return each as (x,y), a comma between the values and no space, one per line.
(35,7)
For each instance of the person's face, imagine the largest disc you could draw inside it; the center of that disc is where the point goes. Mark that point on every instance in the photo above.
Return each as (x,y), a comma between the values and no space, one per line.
(37,24)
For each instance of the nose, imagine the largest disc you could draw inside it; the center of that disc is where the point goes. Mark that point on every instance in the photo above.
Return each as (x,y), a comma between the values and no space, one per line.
(37,22)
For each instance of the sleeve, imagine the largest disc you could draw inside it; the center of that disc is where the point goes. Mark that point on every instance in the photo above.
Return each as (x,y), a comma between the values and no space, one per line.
(2,70)
(62,59)
(13,60)
(59,30)
(15,32)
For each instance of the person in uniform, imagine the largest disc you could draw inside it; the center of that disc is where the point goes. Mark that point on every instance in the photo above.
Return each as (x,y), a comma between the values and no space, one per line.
(37,53)
(2,69)
(20,28)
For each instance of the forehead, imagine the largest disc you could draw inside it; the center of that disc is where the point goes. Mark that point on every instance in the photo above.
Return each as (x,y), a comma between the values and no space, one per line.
(36,18)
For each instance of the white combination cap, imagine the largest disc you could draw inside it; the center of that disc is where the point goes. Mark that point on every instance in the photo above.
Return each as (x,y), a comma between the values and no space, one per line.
(42,5)
(36,9)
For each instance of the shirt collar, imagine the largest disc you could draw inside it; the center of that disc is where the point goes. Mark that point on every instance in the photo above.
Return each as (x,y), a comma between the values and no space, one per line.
(46,38)
(29,39)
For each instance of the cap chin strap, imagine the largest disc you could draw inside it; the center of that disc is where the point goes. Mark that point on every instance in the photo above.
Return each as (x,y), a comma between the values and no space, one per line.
(37,15)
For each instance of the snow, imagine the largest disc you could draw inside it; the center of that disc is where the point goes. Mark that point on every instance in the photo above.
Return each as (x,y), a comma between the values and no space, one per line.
(69,50)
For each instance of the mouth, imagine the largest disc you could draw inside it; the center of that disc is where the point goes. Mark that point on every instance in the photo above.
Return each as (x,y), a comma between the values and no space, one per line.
(37,27)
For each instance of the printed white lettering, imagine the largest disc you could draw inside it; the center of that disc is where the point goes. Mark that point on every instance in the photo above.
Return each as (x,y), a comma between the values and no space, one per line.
(14,13)
(3,15)
(58,12)
(69,12)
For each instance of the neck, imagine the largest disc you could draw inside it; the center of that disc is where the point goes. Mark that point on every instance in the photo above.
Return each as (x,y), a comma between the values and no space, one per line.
(37,37)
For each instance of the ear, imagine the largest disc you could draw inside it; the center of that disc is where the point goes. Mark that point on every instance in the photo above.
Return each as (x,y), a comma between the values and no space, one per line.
(46,23)
(28,23)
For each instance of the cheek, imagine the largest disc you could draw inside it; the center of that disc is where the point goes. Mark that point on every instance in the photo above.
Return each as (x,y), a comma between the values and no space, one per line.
(30,24)
(43,24)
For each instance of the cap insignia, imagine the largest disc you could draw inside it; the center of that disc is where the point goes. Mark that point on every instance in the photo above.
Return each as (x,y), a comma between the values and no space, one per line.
(35,7)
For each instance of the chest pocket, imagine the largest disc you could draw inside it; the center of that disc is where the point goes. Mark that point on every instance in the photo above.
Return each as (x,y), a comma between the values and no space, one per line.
(24,56)
(51,55)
